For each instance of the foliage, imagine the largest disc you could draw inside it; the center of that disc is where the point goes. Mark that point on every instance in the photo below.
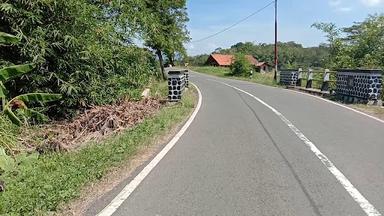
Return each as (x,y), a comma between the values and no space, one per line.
(241,66)
(291,54)
(356,46)
(45,182)
(164,30)
(8,133)
(199,60)
(78,49)
(18,103)
(8,38)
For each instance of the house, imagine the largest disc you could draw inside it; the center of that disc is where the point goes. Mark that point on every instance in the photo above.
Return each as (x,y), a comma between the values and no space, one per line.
(221,60)
(264,67)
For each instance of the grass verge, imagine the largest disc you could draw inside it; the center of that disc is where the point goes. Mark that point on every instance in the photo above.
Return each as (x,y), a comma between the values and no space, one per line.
(376,111)
(264,79)
(40,184)
(8,134)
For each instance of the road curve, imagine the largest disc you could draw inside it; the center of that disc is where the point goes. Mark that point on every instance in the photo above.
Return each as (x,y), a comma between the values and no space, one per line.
(239,158)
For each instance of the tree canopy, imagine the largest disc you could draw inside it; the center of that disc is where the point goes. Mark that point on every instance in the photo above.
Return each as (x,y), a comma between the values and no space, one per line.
(357,46)
(85,49)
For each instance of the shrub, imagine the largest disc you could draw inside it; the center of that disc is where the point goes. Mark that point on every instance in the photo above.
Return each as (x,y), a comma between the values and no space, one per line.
(241,66)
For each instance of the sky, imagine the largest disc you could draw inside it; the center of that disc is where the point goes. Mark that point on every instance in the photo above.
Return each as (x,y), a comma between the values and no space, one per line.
(295,19)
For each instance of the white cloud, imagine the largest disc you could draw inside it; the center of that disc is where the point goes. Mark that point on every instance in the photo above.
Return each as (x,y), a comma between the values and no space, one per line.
(372,3)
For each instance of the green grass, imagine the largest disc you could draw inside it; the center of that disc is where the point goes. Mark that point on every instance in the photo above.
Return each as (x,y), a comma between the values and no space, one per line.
(264,79)
(40,185)
(8,134)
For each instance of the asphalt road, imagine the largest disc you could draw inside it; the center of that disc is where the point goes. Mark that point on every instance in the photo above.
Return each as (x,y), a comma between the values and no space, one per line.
(239,158)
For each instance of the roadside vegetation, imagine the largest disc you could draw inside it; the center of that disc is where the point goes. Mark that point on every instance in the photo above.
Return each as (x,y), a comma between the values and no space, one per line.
(355,46)
(71,83)
(39,183)
(376,111)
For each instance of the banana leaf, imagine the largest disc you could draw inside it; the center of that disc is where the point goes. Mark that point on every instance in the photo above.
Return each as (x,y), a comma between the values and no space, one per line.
(3,91)
(37,97)
(37,116)
(14,71)
(41,98)
(8,39)
(14,119)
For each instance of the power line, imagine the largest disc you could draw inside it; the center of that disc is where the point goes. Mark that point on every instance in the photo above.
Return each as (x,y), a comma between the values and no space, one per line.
(235,24)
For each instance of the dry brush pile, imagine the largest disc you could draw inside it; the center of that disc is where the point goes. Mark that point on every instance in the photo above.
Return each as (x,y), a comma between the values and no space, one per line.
(93,124)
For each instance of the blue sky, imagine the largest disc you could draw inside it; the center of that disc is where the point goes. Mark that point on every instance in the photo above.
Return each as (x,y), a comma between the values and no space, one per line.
(295,17)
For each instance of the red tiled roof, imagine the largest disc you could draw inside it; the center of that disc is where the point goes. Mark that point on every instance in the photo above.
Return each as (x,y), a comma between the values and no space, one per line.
(223,60)
(226,60)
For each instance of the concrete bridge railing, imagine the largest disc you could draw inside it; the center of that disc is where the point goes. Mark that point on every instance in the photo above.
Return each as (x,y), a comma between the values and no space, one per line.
(352,86)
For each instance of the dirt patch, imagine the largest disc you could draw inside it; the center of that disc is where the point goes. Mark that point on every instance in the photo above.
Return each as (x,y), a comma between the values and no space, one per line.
(93,124)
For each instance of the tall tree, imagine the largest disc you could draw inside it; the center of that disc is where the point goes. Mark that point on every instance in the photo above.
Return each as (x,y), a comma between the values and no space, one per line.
(165,28)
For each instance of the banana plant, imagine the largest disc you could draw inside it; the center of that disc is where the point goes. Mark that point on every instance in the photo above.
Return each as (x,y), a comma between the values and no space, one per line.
(6,39)
(17,108)
(9,73)
(19,104)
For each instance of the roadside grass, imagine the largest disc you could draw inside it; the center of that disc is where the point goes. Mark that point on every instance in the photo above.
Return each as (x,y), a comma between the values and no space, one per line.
(376,111)
(264,79)
(40,184)
(8,134)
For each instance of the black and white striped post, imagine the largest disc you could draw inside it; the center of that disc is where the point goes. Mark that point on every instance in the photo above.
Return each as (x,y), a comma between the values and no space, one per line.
(176,85)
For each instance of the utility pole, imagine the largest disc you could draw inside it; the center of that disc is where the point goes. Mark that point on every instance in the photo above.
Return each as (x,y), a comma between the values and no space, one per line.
(276,60)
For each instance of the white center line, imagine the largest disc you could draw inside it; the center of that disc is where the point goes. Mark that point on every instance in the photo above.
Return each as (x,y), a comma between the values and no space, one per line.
(365,205)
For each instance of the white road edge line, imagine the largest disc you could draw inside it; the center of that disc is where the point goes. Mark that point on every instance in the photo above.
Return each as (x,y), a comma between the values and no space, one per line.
(131,186)
(340,105)
(365,205)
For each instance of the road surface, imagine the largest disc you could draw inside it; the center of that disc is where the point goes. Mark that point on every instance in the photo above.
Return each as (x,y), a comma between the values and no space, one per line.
(240,157)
